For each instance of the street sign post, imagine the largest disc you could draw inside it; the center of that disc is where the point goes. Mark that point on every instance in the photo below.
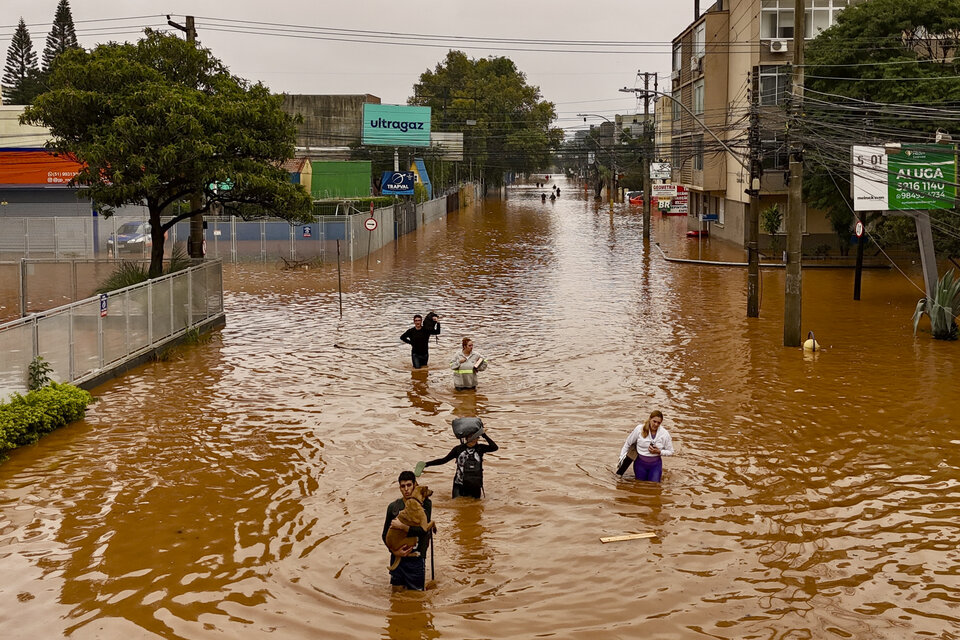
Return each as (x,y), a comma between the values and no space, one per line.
(859,229)
(103,305)
(370,224)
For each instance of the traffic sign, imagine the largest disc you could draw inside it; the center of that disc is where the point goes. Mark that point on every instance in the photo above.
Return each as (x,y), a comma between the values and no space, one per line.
(859,228)
(103,305)
(370,224)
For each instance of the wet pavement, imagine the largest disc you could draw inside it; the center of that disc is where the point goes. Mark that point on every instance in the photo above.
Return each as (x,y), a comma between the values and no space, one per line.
(238,488)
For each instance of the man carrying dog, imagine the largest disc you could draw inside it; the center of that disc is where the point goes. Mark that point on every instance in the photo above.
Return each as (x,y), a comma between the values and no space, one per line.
(418,337)
(411,572)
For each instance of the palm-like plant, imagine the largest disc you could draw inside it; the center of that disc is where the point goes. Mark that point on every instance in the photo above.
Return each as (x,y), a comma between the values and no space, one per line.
(943,309)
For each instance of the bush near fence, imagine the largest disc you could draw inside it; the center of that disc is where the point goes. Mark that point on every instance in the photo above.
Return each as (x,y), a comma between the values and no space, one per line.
(25,418)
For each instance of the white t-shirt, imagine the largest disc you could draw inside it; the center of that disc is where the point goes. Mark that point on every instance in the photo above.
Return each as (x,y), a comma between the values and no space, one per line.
(661,439)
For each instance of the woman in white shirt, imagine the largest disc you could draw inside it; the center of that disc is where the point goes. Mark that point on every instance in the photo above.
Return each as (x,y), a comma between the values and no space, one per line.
(645,446)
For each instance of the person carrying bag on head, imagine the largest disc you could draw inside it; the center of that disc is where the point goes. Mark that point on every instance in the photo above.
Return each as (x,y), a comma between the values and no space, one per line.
(468,477)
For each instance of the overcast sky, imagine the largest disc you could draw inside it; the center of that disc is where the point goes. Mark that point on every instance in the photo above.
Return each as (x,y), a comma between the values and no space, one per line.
(302,63)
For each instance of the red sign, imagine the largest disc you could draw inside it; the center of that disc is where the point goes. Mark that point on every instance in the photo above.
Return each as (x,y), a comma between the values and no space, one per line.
(370,224)
(859,229)
(36,168)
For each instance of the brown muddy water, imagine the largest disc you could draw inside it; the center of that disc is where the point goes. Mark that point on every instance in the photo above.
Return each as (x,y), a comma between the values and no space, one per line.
(237,490)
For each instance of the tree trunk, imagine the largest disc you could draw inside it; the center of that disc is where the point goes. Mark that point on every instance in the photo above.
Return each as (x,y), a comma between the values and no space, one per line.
(156,236)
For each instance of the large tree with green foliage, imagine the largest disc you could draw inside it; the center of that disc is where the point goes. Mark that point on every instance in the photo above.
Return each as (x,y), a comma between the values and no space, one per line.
(62,36)
(511,130)
(158,120)
(21,74)
(885,72)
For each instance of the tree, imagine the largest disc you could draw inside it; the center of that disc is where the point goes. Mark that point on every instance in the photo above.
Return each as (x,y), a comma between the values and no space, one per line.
(511,123)
(161,119)
(21,73)
(62,36)
(885,72)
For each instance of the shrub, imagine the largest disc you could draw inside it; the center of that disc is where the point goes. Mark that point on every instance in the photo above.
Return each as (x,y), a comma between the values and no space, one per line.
(943,309)
(25,418)
(39,373)
(770,220)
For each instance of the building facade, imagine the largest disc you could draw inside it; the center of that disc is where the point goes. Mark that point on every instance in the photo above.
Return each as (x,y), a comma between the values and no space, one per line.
(736,54)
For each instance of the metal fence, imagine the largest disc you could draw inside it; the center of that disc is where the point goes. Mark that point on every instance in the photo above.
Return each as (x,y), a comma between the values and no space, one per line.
(83,340)
(227,238)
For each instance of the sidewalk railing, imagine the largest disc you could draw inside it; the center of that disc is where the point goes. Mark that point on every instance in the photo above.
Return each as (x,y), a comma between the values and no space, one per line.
(87,338)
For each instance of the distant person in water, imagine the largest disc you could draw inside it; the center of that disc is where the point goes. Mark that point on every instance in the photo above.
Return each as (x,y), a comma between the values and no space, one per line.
(645,447)
(418,337)
(543,197)
(553,197)
(465,366)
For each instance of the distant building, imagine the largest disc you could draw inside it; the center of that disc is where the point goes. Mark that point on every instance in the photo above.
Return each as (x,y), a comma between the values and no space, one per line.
(737,51)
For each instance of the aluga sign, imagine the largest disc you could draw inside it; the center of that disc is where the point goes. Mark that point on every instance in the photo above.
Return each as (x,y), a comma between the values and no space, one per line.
(392,125)
(915,177)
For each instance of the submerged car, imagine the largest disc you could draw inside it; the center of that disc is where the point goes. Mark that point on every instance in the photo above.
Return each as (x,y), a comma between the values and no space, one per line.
(131,237)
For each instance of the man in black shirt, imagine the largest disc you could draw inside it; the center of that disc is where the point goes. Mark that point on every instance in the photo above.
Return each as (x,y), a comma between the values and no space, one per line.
(411,572)
(419,339)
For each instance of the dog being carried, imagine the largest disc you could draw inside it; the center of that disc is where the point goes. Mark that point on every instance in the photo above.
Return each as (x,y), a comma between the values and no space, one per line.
(412,515)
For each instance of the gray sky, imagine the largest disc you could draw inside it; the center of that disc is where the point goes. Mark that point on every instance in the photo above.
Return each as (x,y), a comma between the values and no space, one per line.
(574,81)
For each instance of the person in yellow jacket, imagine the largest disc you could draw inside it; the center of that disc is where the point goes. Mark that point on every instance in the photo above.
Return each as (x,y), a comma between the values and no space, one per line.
(465,366)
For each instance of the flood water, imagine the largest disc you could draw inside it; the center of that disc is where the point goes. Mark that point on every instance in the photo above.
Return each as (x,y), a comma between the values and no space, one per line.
(238,489)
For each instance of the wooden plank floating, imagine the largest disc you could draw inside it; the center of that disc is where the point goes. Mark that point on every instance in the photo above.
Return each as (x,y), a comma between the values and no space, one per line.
(632,536)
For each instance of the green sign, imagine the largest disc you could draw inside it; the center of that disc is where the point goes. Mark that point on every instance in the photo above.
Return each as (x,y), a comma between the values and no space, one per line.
(392,125)
(921,178)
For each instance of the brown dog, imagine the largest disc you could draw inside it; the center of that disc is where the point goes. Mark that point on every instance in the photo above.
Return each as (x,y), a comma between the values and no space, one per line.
(411,515)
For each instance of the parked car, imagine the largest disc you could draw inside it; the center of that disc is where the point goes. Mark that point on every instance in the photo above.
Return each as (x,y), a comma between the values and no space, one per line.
(131,237)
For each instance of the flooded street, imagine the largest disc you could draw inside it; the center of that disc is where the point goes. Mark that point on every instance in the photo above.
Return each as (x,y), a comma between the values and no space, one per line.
(238,489)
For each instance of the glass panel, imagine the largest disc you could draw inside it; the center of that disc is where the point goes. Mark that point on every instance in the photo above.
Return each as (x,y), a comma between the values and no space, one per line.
(198,295)
(53,338)
(114,329)
(139,335)
(179,285)
(16,345)
(162,327)
(214,301)
(86,351)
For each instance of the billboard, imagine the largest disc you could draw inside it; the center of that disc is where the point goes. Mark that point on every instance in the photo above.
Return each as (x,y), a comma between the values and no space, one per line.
(448,144)
(913,177)
(36,168)
(392,125)
(397,183)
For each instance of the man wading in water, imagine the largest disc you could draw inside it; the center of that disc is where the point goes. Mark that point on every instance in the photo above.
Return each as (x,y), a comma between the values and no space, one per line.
(411,573)
(418,338)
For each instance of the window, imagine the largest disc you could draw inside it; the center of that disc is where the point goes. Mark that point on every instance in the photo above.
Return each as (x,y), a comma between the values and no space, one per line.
(774,81)
(676,151)
(774,154)
(699,40)
(698,97)
(677,57)
(676,106)
(776,17)
(698,155)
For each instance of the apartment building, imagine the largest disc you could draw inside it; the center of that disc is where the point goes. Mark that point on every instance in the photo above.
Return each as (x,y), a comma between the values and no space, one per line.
(735,52)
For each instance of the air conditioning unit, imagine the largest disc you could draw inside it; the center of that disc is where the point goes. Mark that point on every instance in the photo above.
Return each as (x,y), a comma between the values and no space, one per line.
(675,74)
(778,46)
(696,64)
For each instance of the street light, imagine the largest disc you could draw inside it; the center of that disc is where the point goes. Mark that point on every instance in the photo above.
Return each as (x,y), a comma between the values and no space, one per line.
(613,158)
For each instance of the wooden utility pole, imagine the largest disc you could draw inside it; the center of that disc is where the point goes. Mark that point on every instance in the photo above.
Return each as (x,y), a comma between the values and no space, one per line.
(793,282)
(753,216)
(195,242)
(647,150)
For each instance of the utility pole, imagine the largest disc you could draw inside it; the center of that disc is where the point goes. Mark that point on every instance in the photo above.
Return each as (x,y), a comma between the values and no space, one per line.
(647,131)
(793,282)
(195,243)
(753,219)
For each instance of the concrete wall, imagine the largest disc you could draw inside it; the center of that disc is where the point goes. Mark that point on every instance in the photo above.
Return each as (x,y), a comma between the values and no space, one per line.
(328,121)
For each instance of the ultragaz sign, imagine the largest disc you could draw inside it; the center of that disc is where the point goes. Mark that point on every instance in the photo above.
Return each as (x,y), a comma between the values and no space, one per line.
(392,125)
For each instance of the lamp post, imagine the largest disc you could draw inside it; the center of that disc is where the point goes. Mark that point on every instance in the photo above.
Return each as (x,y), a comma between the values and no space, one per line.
(613,157)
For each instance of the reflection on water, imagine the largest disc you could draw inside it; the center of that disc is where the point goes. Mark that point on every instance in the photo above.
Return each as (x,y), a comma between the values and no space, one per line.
(239,488)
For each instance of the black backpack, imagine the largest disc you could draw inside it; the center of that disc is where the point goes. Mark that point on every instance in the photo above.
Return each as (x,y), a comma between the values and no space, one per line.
(430,322)
(472,472)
